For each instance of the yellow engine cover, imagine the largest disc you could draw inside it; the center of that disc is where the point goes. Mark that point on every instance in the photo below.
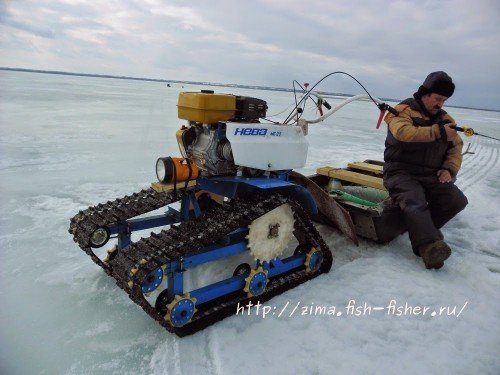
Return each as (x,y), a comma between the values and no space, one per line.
(207,108)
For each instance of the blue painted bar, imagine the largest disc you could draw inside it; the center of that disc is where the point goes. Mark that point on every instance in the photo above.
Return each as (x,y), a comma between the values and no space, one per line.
(175,284)
(196,206)
(173,213)
(133,225)
(285,265)
(235,283)
(232,186)
(123,240)
(173,266)
(151,222)
(185,207)
(214,185)
(125,229)
(236,236)
(276,262)
(214,254)
(230,285)
(228,186)
(189,207)
(219,289)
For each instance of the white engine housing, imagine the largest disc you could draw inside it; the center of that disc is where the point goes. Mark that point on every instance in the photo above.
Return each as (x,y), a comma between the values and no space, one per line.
(267,147)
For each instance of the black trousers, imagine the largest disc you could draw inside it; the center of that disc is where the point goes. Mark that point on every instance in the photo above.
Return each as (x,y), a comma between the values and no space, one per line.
(426,204)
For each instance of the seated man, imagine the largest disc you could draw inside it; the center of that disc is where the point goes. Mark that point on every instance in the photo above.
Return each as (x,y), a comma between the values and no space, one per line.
(423,154)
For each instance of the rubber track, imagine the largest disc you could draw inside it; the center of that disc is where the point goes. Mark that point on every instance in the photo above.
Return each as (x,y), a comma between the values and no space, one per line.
(132,265)
(84,223)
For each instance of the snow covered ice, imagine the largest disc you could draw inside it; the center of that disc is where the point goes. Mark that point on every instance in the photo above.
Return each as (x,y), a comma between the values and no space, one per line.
(70,142)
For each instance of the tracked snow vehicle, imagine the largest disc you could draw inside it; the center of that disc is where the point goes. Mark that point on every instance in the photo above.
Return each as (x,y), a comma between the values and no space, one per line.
(239,199)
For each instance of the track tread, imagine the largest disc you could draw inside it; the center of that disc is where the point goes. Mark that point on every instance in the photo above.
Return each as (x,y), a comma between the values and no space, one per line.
(129,269)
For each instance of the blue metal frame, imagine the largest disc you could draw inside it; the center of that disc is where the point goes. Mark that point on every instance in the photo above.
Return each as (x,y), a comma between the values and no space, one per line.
(235,283)
(233,243)
(123,230)
(232,187)
(207,293)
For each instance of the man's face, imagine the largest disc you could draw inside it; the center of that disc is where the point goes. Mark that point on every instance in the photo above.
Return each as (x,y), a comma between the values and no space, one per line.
(433,102)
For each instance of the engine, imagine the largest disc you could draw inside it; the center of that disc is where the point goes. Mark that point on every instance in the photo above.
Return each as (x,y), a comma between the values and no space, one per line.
(224,137)
(204,140)
(210,149)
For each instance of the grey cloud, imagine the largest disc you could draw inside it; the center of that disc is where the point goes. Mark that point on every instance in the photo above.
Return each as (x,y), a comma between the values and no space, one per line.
(27,26)
(389,45)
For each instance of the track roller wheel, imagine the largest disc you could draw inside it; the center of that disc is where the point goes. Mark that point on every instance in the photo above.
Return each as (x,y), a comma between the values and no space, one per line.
(162,301)
(314,258)
(242,269)
(256,282)
(181,310)
(99,237)
(153,280)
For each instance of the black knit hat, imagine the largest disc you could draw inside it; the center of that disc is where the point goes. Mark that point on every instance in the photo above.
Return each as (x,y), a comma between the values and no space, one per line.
(436,82)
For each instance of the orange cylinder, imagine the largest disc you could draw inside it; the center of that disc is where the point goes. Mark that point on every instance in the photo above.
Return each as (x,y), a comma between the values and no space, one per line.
(173,170)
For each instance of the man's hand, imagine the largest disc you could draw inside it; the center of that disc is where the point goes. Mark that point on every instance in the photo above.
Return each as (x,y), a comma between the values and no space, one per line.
(444,176)
(450,130)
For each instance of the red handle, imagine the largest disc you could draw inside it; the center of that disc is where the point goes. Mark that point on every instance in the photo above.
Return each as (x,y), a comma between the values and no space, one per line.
(380,117)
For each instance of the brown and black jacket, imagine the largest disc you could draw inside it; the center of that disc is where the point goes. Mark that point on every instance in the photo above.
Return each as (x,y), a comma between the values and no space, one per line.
(416,141)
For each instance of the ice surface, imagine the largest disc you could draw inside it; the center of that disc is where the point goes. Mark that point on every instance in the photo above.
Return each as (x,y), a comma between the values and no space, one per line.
(70,142)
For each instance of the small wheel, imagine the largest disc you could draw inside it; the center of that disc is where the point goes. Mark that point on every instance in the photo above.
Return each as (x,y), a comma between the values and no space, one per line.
(99,237)
(242,269)
(153,280)
(256,282)
(162,302)
(181,310)
(314,258)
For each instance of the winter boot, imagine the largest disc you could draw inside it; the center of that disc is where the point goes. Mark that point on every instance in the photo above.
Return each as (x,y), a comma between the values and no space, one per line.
(416,250)
(434,254)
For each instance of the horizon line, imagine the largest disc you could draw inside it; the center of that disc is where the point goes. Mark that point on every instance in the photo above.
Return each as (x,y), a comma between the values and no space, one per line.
(252,87)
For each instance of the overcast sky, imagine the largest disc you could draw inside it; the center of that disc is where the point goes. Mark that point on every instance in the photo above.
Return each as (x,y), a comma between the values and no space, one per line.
(390,46)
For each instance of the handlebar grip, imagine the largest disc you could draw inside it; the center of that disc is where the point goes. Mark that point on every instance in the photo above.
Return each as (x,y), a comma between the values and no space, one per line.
(387,107)
(392,110)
